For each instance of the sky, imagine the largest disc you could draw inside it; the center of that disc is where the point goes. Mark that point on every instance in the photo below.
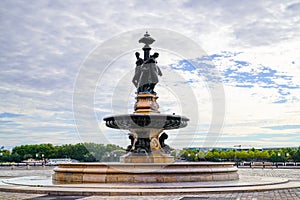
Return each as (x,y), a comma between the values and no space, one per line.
(244,60)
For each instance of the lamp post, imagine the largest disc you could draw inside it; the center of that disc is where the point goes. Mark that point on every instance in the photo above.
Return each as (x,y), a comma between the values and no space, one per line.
(287,157)
(43,160)
(278,156)
(235,149)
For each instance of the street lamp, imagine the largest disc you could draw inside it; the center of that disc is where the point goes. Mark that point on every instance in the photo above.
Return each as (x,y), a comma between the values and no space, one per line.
(43,159)
(278,154)
(287,157)
(189,157)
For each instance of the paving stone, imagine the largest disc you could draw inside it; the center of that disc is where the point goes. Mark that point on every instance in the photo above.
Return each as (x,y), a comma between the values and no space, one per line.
(289,194)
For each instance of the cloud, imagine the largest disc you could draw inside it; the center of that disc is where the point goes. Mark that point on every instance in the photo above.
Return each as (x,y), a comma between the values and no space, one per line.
(254,45)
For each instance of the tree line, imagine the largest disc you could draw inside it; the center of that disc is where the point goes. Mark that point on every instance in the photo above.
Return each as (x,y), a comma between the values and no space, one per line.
(91,152)
(83,152)
(281,155)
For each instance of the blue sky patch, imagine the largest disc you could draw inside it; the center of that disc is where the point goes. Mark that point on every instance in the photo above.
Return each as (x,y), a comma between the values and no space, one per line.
(281,101)
(282,127)
(10,115)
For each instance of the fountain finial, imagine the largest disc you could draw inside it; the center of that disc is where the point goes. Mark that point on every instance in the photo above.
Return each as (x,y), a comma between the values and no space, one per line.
(147,40)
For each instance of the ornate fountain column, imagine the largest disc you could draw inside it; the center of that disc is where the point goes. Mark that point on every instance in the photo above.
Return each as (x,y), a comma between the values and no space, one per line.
(146,104)
(146,124)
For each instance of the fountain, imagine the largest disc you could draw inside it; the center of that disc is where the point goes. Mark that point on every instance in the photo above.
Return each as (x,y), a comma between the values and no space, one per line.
(148,159)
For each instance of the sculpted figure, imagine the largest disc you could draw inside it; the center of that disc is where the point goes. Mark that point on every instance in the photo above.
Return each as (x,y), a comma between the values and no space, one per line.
(138,69)
(146,75)
(162,139)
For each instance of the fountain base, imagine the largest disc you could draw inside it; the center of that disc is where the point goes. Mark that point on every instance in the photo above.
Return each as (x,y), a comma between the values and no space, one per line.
(143,172)
(154,157)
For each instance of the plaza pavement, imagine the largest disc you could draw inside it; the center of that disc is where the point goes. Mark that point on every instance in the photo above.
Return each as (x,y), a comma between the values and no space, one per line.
(292,174)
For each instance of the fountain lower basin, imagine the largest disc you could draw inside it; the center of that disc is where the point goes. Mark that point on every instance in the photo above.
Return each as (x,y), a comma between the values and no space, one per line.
(144,172)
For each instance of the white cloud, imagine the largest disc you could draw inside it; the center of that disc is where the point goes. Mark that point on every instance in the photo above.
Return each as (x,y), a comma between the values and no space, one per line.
(44,43)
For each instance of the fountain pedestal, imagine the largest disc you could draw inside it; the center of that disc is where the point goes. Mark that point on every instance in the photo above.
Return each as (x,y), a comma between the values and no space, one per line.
(146,104)
(154,157)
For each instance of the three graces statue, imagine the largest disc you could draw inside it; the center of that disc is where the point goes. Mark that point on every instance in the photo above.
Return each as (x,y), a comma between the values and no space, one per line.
(146,74)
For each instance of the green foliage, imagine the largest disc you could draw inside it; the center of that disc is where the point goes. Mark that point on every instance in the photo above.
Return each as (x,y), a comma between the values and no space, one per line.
(91,152)
(210,156)
(191,155)
(4,155)
(282,155)
(84,152)
(296,155)
(35,151)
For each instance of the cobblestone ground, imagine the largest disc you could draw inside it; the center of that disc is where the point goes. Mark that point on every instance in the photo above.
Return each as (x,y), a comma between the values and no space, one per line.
(291,174)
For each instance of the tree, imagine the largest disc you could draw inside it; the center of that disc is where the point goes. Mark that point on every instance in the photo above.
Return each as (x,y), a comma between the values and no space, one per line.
(242,155)
(231,155)
(296,155)
(15,158)
(209,156)
(265,155)
(257,155)
(223,155)
(251,155)
(82,151)
(4,155)
(201,156)
(216,155)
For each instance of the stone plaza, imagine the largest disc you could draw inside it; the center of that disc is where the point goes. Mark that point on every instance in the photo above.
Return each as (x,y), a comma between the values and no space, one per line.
(13,191)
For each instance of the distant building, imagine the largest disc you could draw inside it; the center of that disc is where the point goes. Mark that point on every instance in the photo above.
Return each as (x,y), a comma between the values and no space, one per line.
(241,148)
(206,149)
(236,147)
(61,160)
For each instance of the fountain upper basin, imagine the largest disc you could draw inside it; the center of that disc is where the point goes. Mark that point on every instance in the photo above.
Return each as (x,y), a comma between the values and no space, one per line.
(154,121)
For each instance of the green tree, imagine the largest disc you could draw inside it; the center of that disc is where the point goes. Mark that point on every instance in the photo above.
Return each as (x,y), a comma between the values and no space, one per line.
(81,152)
(15,158)
(216,155)
(251,155)
(243,155)
(265,155)
(296,155)
(4,155)
(209,156)
(201,156)
(231,155)
(223,155)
